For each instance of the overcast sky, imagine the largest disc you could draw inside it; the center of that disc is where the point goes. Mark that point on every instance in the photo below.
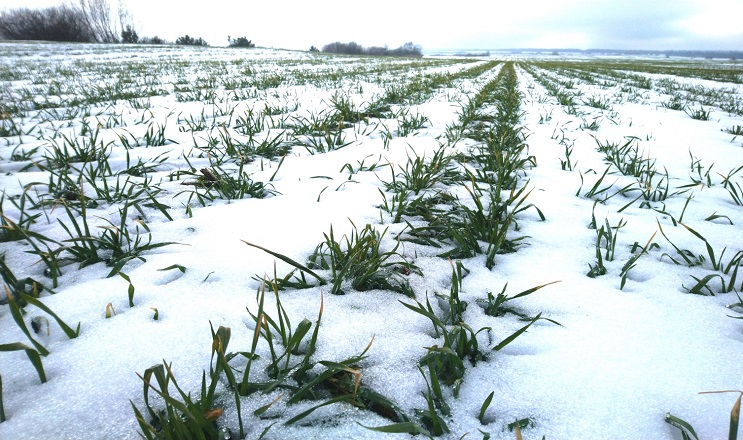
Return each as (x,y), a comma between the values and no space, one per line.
(459,24)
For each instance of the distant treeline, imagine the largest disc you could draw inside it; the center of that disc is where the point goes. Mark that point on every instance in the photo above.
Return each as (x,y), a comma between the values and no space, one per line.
(92,21)
(728,54)
(352,48)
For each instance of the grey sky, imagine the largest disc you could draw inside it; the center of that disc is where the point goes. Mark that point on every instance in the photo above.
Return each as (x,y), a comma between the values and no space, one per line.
(471,24)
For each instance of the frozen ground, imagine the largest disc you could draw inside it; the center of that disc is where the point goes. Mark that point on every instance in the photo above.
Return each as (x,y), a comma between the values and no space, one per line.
(618,363)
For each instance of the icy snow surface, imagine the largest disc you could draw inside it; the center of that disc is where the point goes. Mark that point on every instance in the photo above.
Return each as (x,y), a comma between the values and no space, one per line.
(620,360)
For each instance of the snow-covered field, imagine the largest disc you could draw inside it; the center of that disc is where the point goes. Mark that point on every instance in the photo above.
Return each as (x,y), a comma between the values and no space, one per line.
(200,150)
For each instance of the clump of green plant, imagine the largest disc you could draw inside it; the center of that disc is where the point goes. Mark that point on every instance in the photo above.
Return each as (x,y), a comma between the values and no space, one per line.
(18,300)
(116,246)
(355,260)
(218,183)
(410,123)
(698,113)
(632,262)
(446,362)
(419,175)
(703,286)
(495,305)
(358,258)
(733,188)
(10,229)
(597,101)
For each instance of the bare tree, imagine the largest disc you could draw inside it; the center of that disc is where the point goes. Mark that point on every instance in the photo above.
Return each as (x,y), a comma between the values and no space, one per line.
(56,23)
(126,23)
(99,17)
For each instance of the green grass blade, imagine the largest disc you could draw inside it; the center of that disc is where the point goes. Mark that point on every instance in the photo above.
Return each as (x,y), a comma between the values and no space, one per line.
(399,428)
(484,407)
(686,429)
(303,414)
(32,354)
(67,329)
(516,334)
(2,407)
(288,261)
(15,311)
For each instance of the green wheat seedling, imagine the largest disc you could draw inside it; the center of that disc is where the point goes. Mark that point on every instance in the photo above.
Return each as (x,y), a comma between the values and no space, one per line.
(9,128)
(726,178)
(17,287)
(362,166)
(602,194)
(357,258)
(328,136)
(703,286)
(250,123)
(496,305)
(491,224)
(37,241)
(277,109)
(446,362)
(345,113)
(292,367)
(314,124)
(216,182)
(430,419)
(341,382)
(420,175)
(567,164)
(183,416)
(632,262)
(396,205)
(593,125)
(155,136)
(115,246)
(21,155)
(279,330)
(598,269)
(377,109)
(459,343)
(272,147)
(733,188)
(677,102)
(703,176)
(699,114)
(731,268)
(143,168)
(736,193)
(34,354)
(735,130)
(409,124)
(195,123)
(687,431)
(33,357)
(627,158)
(243,152)
(76,150)
(206,95)
(545,117)
(453,306)
(501,156)
(268,81)
(24,221)
(598,102)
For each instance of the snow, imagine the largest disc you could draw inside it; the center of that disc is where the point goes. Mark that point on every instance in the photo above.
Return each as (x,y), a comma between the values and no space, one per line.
(617,363)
